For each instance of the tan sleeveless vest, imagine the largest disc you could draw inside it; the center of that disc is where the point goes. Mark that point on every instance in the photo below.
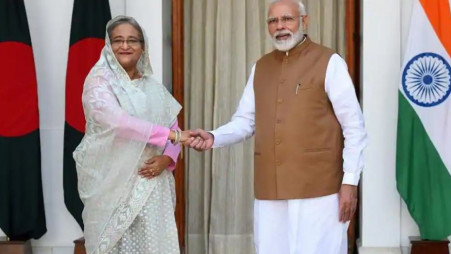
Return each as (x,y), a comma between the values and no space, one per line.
(298,140)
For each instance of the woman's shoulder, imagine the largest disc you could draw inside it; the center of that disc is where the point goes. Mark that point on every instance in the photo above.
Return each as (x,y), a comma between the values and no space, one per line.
(150,83)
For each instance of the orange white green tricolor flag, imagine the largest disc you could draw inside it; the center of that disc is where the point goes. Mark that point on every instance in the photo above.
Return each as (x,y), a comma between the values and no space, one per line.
(423,160)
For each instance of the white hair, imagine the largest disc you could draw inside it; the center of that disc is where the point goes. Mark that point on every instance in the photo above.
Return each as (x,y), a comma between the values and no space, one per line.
(302,10)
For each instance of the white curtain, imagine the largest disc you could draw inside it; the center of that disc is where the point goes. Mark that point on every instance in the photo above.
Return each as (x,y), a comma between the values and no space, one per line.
(223,39)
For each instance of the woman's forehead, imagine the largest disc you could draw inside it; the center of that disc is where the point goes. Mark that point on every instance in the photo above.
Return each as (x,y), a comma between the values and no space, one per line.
(124,30)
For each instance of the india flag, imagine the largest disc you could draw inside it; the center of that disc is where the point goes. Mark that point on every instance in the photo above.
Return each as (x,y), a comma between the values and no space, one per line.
(423,160)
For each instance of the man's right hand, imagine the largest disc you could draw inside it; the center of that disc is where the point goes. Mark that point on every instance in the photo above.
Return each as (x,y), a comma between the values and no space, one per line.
(200,140)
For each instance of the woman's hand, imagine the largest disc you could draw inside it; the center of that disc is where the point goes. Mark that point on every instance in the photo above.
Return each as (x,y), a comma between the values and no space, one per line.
(155,166)
(184,136)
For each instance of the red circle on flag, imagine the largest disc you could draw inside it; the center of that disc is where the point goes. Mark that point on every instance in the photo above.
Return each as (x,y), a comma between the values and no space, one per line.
(19,110)
(82,57)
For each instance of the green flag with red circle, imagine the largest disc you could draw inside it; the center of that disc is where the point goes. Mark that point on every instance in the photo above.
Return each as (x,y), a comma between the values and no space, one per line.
(21,199)
(87,38)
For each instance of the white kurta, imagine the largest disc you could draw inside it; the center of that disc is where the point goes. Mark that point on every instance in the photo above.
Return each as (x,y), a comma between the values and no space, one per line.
(282,226)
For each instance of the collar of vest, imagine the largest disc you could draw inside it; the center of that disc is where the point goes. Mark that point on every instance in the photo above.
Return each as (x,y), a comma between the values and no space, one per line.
(296,50)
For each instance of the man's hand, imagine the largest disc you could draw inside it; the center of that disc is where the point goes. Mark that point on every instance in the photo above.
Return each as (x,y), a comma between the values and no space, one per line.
(347,202)
(155,166)
(200,140)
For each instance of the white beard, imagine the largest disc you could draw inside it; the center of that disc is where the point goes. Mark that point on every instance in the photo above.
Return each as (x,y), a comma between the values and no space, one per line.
(285,45)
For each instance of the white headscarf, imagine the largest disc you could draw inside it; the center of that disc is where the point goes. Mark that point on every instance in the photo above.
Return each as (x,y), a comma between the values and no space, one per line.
(107,164)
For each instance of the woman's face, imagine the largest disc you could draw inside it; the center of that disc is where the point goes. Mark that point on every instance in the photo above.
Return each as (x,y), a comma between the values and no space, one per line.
(127,45)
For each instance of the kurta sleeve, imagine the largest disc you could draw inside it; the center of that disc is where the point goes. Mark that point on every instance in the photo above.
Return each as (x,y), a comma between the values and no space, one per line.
(242,124)
(172,150)
(341,93)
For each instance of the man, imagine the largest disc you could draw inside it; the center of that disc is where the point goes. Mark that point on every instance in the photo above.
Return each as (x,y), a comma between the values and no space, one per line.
(309,137)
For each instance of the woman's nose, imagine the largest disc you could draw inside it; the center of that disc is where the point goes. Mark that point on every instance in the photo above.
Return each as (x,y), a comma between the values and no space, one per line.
(125,45)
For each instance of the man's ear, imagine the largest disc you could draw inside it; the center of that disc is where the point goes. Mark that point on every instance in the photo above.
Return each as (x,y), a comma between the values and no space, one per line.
(304,22)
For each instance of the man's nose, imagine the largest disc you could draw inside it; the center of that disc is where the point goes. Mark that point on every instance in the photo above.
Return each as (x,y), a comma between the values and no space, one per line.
(280,25)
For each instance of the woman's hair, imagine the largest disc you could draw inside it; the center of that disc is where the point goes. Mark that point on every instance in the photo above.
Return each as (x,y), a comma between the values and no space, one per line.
(126,20)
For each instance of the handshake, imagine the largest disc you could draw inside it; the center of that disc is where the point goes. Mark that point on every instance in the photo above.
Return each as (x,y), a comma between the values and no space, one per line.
(198,139)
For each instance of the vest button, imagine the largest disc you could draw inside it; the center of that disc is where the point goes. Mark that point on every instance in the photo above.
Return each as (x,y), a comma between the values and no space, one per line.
(280,101)
(278,142)
(282,81)
(278,163)
(279,121)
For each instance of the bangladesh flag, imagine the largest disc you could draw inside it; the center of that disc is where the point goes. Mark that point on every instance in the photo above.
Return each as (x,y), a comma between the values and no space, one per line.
(87,38)
(423,160)
(21,202)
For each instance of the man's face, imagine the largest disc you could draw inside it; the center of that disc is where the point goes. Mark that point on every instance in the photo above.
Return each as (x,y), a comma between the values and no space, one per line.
(285,25)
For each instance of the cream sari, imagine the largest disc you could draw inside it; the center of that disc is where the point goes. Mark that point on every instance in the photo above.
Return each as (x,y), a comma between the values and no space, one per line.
(124,213)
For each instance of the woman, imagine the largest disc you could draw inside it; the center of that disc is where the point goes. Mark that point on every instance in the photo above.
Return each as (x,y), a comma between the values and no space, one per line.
(128,194)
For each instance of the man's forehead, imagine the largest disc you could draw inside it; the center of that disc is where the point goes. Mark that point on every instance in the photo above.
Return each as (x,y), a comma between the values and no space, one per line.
(288,7)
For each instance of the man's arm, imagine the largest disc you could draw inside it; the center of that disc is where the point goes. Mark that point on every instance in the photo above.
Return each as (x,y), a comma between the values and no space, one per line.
(341,93)
(240,127)
(242,124)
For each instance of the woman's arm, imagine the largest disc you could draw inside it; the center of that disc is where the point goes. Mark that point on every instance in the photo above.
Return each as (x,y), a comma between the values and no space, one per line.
(102,107)
(171,150)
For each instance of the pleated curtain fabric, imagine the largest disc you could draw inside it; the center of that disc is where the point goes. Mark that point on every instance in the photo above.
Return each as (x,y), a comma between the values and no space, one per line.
(223,39)
(327,23)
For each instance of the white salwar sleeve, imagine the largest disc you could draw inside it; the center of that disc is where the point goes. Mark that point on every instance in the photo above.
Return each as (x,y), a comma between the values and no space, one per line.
(242,124)
(341,93)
